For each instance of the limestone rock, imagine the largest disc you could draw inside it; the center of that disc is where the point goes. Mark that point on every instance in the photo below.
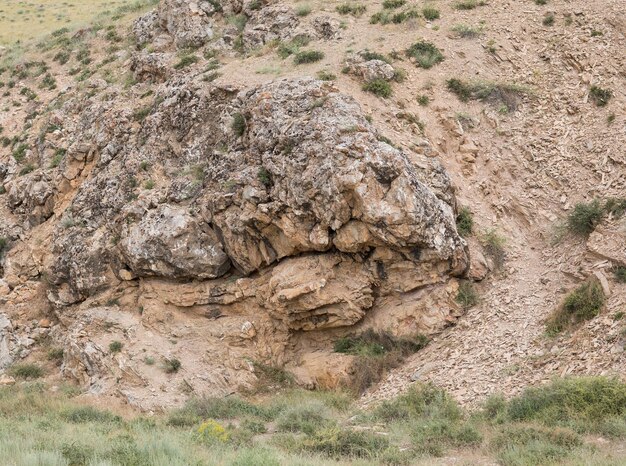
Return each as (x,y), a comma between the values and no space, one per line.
(169,242)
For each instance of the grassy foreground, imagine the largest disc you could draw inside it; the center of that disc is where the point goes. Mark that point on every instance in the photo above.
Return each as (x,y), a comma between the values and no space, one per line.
(570,421)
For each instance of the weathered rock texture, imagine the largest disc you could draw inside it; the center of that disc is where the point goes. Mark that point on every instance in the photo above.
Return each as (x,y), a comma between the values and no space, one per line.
(219,225)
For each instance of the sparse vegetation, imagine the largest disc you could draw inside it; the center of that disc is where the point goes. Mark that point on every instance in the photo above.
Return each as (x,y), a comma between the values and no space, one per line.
(425,54)
(308,56)
(469,4)
(505,95)
(543,425)
(378,87)
(599,96)
(464,221)
(239,124)
(430,13)
(375,353)
(171,365)
(466,31)
(466,295)
(585,217)
(581,304)
(26,371)
(620,274)
(354,9)
(493,244)
(115,346)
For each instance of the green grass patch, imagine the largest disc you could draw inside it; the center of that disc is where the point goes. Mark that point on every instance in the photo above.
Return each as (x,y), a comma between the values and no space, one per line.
(582,304)
(464,222)
(425,54)
(378,87)
(505,96)
(308,56)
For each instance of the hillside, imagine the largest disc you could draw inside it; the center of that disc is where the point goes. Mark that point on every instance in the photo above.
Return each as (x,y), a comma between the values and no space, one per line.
(196,196)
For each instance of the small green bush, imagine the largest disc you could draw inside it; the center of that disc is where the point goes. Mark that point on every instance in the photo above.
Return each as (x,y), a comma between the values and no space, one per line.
(308,56)
(548,20)
(285,49)
(466,295)
(493,244)
(390,4)
(378,87)
(520,445)
(468,4)
(430,13)
(584,404)
(306,419)
(171,365)
(420,402)
(600,96)
(464,221)
(239,124)
(303,10)
(115,346)
(585,217)
(504,95)
(620,274)
(354,9)
(83,414)
(344,443)
(425,54)
(26,371)
(185,61)
(584,303)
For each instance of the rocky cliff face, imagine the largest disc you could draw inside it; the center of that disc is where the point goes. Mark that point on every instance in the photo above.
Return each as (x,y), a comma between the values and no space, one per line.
(219,225)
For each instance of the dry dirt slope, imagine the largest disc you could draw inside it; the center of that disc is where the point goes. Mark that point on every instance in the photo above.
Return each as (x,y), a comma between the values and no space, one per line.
(519,172)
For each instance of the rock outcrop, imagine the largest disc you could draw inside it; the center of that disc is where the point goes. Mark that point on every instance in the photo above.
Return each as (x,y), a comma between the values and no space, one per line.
(218,225)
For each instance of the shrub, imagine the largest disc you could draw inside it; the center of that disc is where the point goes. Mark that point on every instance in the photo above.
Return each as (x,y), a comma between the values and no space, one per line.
(216,408)
(171,365)
(493,245)
(115,346)
(506,95)
(83,414)
(354,9)
(303,10)
(26,371)
(326,76)
(425,54)
(464,221)
(292,47)
(468,4)
(337,443)
(529,445)
(615,206)
(264,177)
(308,56)
(584,403)
(430,13)
(467,32)
(435,436)
(390,4)
(55,354)
(620,273)
(306,419)
(600,96)
(378,87)
(185,61)
(376,352)
(420,402)
(211,432)
(466,295)
(584,303)
(548,20)
(239,124)
(585,217)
